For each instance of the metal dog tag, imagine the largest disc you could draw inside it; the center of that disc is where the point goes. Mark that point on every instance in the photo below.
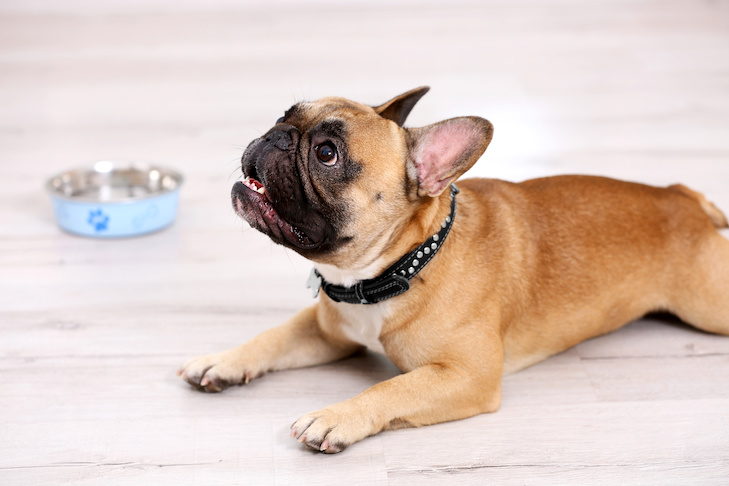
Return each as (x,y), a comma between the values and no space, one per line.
(314,283)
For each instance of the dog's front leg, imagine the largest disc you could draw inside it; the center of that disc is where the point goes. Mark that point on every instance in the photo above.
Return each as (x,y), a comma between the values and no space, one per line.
(426,395)
(297,343)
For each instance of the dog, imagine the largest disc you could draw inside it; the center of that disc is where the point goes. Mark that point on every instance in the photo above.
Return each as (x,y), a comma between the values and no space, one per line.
(457,284)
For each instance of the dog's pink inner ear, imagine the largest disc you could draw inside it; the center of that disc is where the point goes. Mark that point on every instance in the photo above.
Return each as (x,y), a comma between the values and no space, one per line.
(446,150)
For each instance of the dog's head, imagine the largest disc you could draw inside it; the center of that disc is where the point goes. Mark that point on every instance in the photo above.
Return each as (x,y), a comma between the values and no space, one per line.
(334,179)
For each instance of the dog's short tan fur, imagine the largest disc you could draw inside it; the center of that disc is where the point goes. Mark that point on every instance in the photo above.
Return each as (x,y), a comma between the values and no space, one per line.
(528,271)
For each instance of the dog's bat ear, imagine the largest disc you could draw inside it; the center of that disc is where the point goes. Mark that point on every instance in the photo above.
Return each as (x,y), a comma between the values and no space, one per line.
(442,152)
(398,108)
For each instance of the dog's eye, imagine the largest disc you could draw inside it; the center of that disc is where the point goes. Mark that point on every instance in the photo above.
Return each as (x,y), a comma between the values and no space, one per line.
(326,153)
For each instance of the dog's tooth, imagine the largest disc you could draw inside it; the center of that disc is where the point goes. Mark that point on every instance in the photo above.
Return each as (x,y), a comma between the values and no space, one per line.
(261,190)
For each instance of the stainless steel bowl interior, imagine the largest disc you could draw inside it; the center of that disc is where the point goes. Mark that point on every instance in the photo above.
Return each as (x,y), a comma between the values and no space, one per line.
(108,181)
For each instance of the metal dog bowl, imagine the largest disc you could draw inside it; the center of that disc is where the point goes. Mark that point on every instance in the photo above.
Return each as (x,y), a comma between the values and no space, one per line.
(113,199)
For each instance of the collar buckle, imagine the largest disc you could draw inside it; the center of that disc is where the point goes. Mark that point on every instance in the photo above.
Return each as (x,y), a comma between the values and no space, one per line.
(359,292)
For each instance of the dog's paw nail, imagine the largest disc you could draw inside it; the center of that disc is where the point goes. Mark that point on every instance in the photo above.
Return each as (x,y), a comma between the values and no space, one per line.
(324,446)
(205,381)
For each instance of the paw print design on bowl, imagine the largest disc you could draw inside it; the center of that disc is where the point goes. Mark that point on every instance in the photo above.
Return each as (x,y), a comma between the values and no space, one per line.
(98,220)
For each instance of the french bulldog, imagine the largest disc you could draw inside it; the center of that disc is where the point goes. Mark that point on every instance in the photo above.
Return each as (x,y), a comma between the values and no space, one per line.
(456,284)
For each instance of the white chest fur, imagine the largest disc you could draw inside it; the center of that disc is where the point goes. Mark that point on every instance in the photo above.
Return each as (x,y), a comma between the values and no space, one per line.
(363,323)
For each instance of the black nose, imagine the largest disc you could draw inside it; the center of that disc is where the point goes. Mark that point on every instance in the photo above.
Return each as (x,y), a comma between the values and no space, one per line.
(282,136)
(279,140)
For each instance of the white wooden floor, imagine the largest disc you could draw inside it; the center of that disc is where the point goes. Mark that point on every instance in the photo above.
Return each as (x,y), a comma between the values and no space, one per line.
(92,332)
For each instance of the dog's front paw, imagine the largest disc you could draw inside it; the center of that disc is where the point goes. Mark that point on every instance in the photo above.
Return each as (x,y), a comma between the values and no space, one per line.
(215,372)
(332,429)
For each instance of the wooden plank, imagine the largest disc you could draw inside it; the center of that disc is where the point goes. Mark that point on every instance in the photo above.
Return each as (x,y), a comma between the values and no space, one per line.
(650,442)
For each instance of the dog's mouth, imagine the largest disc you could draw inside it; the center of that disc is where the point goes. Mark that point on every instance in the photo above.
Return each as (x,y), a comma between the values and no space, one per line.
(252,202)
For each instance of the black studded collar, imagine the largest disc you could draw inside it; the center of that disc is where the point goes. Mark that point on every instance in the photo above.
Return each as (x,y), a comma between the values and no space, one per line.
(393,281)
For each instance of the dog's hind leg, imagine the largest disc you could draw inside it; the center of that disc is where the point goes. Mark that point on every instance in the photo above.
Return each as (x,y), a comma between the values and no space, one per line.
(701,296)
